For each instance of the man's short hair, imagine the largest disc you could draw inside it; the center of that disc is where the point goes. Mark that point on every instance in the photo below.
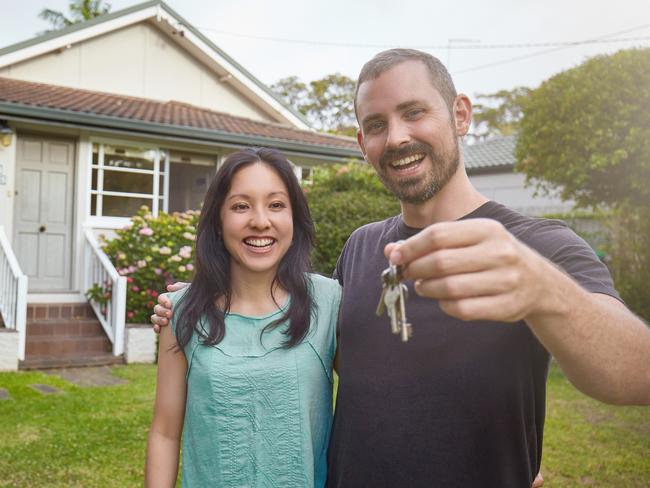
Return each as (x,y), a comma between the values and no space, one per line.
(385,60)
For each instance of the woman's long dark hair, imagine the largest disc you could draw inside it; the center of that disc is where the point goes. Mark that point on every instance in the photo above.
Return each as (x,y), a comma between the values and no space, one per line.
(212,260)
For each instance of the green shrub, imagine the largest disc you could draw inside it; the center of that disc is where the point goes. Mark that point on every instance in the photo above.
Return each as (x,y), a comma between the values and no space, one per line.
(341,199)
(629,257)
(151,252)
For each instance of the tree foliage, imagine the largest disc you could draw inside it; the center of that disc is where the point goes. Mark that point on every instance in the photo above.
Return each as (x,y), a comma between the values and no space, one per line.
(500,114)
(80,11)
(341,199)
(586,131)
(327,103)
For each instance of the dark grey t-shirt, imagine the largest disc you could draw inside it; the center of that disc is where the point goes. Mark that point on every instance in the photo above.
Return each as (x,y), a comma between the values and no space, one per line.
(461,404)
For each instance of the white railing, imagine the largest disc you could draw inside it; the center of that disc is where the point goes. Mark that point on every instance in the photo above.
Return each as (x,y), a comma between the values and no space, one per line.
(111,308)
(13,292)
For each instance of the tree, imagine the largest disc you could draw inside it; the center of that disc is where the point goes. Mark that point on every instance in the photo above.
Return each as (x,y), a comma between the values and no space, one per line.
(80,11)
(501,114)
(586,132)
(327,103)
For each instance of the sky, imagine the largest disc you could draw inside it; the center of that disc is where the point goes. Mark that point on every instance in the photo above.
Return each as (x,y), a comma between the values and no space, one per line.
(311,39)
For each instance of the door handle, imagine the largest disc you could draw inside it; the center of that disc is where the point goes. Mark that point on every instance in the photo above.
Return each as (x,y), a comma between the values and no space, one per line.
(42,228)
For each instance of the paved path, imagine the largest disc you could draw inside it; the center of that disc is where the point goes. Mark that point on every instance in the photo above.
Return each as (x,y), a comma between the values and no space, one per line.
(89,376)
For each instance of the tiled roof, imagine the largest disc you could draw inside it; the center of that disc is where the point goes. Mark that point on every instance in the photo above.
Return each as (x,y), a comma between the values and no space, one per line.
(153,112)
(491,154)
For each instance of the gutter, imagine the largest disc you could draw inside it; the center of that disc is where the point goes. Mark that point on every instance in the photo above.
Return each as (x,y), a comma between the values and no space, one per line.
(15,111)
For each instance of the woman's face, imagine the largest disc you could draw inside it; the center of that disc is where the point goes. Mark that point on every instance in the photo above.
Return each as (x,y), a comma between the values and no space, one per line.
(257,220)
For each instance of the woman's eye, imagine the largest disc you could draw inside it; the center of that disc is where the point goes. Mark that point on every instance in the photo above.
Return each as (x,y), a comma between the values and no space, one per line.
(239,207)
(278,205)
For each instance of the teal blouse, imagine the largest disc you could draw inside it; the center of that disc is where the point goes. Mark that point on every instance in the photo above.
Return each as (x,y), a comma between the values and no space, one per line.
(258,414)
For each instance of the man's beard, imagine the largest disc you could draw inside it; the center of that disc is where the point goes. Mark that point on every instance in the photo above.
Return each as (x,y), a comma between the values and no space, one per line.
(419,189)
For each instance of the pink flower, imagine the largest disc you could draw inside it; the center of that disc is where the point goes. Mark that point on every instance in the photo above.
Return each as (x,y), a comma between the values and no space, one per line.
(141,263)
(189,236)
(185,252)
(154,293)
(165,250)
(158,271)
(190,267)
(135,289)
(146,231)
(130,315)
(128,226)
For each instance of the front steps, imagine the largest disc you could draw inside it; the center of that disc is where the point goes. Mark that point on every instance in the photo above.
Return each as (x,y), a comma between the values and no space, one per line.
(65,335)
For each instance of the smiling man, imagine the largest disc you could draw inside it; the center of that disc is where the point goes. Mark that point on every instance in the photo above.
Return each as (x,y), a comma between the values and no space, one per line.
(493,294)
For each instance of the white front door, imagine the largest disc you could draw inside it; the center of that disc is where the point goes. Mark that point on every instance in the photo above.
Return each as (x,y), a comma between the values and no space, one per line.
(43,223)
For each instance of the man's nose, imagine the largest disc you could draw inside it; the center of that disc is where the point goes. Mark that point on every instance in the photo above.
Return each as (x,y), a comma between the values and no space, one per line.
(398,135)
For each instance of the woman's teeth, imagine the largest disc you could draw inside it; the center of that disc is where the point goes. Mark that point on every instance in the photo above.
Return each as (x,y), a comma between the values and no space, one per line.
(258,242)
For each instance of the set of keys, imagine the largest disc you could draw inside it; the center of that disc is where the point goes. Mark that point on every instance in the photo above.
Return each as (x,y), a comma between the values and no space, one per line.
(393,300)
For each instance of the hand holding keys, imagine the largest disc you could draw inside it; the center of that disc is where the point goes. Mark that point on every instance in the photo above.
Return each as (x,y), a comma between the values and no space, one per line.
(393,298)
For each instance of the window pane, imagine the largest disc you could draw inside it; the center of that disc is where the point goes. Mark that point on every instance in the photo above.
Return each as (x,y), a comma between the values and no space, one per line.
(93,204)
(123,206)
(95,153)
(129,157)
(127,182)
(93,184)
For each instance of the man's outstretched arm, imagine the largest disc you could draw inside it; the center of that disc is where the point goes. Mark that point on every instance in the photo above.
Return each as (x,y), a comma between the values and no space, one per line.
(479,271)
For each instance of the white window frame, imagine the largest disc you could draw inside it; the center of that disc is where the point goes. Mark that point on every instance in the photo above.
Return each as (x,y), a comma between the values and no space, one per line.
(161,159)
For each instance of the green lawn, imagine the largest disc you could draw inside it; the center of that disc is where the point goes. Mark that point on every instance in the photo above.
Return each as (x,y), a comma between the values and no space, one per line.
(95,437)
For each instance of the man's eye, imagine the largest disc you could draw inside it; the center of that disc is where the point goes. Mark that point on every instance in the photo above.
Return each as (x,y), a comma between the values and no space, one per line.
(374,126)
(411,114)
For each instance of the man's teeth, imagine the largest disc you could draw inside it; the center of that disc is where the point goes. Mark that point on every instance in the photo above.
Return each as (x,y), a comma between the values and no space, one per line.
(407,160)
(259,242)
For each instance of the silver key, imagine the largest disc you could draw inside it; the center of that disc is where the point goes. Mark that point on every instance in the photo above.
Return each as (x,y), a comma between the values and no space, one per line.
(392,298)
(404,327)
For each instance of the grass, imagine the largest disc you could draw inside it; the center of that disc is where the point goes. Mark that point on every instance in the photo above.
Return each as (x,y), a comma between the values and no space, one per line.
(95,437)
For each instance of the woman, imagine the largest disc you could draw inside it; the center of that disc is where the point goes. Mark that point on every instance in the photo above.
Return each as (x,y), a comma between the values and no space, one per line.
(252,389)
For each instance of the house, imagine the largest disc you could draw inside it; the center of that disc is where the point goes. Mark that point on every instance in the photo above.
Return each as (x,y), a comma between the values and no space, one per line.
(134,107)
(490,165)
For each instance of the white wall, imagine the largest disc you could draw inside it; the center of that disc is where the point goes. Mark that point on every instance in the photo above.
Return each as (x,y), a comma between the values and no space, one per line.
(508,189)
(7,186)
(141,61)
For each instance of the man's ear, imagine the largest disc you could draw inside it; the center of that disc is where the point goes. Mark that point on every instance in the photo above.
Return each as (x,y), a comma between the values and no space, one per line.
(462,114)
(361,144)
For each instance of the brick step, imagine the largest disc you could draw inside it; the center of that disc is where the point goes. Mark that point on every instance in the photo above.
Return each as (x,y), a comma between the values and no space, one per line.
(66,345)
(37,311)
(69,361)
(67,327)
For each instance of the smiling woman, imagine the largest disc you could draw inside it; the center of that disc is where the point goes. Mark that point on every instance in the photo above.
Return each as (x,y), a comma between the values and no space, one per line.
(245,370)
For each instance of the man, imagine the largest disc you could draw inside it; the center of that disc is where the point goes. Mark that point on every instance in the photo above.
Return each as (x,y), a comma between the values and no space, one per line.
(492,293)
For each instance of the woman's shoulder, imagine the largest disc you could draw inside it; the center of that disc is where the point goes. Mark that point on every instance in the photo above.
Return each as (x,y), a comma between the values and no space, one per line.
(177,296)
(321,284)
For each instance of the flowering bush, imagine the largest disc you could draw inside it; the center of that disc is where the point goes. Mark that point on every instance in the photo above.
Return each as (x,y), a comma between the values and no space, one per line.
(151,252)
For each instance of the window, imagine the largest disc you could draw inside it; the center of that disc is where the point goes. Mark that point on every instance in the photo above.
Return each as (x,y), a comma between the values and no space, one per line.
(125,178)
(306,175)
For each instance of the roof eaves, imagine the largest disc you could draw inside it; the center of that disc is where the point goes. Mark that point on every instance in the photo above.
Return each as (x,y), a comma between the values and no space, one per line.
(243,70)
(9,109)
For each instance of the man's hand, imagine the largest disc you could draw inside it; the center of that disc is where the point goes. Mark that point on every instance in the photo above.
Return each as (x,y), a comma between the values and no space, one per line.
(476,269)
(163,311)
